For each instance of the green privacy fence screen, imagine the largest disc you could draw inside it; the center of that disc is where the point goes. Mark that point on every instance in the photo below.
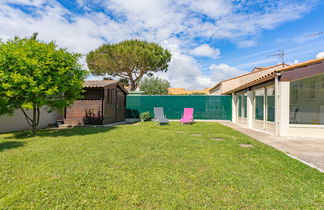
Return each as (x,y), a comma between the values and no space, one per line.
(205,107)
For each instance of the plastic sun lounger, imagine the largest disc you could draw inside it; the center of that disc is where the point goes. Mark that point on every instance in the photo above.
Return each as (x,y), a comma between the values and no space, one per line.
(187,117)
(159,116)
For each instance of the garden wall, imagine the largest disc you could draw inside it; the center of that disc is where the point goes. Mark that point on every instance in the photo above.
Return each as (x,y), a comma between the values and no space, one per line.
(17,121)
(205,107)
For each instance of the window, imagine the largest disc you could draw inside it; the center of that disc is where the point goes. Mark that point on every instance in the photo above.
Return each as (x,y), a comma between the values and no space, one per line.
(311,89)
(271,104)
(259,104)
(294,93)
(242,105)
(93,94)
(245,105)
(239,106)
(307,101)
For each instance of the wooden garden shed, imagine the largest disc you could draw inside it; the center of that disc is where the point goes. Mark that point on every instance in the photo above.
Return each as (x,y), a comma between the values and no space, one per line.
(103,102)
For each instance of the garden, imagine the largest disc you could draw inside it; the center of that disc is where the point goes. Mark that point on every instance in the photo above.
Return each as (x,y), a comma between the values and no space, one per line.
(143,165)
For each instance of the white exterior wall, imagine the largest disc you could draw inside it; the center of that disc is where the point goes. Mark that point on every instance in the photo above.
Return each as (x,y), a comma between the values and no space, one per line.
(250,122)
(17,121)
(283,108)
(217,91)
(307,131)
(282,126)
(231,84)
(250,96)
(234,107)
(241,121)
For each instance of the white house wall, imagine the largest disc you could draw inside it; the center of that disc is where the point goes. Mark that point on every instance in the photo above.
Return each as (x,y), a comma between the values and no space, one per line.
(231,84)
(307,131)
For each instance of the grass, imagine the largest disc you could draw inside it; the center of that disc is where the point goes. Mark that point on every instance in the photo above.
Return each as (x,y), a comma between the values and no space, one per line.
(150,166)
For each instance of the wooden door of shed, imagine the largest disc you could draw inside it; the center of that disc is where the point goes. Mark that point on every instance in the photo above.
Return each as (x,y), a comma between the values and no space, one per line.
(120,105)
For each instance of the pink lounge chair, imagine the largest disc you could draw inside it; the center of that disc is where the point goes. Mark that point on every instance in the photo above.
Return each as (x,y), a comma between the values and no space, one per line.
(187,117)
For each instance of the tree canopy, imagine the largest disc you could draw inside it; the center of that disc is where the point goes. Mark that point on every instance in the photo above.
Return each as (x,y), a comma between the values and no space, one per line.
(131,60)
(154,86)
(35,74)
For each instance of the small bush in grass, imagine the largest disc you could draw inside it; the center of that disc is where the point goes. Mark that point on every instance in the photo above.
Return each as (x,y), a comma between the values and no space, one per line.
(145,116)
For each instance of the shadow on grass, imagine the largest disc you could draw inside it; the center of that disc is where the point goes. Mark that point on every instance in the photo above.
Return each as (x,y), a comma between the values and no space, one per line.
(10,145)
(66,132)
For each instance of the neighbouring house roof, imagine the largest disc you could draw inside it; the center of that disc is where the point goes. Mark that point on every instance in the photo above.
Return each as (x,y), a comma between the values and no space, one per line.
(272,74)
(258,69)
(255,70)
(183,91)
(102,83)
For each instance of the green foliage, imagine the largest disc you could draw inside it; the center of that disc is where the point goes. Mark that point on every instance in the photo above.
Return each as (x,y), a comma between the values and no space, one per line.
(145,166)
(154,86)
(123,81)
(35,74)
(131,60)
(145,116)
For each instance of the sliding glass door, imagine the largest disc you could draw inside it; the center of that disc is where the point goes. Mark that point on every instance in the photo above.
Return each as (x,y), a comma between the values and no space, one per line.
(264,109)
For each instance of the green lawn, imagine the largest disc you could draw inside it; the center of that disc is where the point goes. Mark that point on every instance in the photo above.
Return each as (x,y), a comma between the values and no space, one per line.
(150,166)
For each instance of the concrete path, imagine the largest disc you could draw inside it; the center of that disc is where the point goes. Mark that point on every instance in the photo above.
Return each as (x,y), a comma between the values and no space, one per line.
(308,150)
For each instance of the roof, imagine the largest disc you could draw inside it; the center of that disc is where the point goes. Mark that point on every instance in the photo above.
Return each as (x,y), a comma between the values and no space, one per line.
(102,83)
(259,69)
(303,64)
(272,74)
(98,83)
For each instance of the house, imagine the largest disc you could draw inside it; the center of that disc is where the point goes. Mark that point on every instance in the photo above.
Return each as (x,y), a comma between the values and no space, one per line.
(182,91)
(257,72)
(287,101)
(103,102)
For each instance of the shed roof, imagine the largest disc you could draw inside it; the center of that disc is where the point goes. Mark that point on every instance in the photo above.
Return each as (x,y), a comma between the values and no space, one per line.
(102,83)
(99,83)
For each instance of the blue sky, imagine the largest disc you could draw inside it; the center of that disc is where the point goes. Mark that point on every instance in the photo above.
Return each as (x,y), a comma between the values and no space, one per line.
(210,40)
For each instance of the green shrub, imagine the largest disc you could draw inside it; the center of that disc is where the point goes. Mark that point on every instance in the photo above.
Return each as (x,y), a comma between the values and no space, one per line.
(145,116)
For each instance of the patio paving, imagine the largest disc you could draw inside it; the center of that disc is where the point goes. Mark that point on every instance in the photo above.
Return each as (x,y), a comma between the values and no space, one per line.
(309,150)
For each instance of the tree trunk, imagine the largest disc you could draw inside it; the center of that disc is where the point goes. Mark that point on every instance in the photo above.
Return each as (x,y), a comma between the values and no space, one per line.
(34,125)
(34,121)
(133,85)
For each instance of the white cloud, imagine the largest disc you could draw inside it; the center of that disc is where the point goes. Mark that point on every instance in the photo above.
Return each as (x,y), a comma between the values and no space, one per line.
(173,23)
(246,43)
(224,71)
(212,8)
(320,55)
(206,51)
(183,72)
(27,2)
